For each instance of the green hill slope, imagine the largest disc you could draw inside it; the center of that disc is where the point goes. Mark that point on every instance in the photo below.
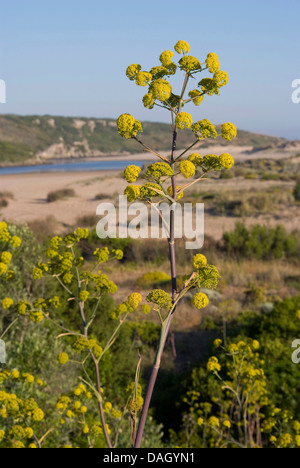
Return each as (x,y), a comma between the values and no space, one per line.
(36,138)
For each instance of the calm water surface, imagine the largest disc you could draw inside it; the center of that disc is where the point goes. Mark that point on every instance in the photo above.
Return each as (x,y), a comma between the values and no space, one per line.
(72,167)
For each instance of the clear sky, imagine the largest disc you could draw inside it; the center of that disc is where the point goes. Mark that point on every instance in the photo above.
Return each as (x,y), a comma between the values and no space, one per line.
(68,57)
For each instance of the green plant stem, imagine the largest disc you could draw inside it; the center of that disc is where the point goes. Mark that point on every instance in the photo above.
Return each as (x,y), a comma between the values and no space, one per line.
(166,325)
(96,364)
(9,327)
(100,403)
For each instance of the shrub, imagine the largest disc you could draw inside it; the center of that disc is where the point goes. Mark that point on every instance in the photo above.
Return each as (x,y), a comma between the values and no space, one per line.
(261,242)
(60,195)
(101,196)
(153,279)
(296,191)
(3,203)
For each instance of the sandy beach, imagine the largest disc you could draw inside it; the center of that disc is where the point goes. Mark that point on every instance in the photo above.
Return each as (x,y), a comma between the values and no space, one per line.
(29,199)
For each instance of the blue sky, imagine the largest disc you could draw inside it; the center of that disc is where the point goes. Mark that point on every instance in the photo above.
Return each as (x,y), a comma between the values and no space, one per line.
(69,57)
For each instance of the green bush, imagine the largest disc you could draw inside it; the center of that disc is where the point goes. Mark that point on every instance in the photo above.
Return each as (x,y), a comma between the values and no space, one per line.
(296,191)
(153,279)
(261,242)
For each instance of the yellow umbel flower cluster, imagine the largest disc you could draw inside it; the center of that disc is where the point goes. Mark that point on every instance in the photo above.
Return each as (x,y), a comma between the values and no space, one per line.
(228,131)
(200,300)
(133,301)
(226,161)
(187,169)
(160,298)
(170,191)
(166,57)
(196,96)
(128,126)
(183,120)
(132,192)
(212,62)
(160,89)
(159,169)
(131,173)
(143,78)
(199,261)
(189,64)
(182,47)
(195,158)
(204,129)
(7,303)
(213,365)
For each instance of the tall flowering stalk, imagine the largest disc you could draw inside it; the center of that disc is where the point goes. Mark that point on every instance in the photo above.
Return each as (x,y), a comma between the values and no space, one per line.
(160,178)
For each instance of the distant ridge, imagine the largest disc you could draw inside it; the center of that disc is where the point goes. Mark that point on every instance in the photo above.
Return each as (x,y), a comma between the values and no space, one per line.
(30,139)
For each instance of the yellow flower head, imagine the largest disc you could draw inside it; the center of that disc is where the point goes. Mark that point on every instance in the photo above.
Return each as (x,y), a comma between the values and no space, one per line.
(63,358)
(143,78)
(15,242)
(195,158)
(15,374)
(196,96)
(3,268)
(209,86)
(133,301)
(38,415)
(5,257)
(204,129)
(226,160)
(227,423)
(131,173)
(183,120)
(132,71)
(213,365)
(84,295)
(160,298)
(187,169)
(132,192)
(7,303)
(170,191)
(182,47)
(189,63)
(148,101)
(36,316)
(228,131)
(200,300)
(166,57)
(159,169)
(221,78)
(160,90)
(213,422)
(212,62)
(199,261)
(86,429)
(217,343)
(128,126)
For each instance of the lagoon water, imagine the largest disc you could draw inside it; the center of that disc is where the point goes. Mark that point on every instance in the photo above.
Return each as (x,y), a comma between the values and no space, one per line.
(72,167)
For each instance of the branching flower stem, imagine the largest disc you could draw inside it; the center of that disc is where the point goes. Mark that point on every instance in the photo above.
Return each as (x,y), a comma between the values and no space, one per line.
(167,323)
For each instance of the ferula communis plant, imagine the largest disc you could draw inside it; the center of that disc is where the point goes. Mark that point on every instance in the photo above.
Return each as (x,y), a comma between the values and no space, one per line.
(159,182)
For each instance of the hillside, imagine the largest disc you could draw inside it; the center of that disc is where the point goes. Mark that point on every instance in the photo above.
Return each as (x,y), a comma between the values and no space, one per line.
(33,139)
